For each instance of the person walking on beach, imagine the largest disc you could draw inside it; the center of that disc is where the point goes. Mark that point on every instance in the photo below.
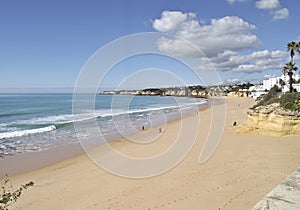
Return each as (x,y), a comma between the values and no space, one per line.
(143,128)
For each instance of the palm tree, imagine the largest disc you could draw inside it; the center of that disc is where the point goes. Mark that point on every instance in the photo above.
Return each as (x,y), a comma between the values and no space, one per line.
(292,47)
(281,83)
(288,69)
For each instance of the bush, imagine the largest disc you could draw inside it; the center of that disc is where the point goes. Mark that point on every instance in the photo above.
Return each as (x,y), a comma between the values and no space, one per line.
(290,101)
(9,195)
(269,98)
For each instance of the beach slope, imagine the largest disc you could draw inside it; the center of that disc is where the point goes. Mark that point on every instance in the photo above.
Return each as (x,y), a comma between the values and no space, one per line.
(242,170)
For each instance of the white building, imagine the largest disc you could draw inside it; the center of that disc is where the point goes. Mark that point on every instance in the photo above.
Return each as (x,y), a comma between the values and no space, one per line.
(286,88)
(256,91)
(269,83)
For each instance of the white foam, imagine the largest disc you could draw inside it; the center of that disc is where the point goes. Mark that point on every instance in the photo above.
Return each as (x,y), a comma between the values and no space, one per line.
(7,135)
(91,114)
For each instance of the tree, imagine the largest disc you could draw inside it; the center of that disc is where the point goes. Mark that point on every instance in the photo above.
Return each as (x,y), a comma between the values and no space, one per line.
(289,69)
(281,82)
(292,47)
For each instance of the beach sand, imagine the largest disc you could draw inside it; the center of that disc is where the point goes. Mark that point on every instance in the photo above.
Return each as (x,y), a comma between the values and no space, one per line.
(242,170)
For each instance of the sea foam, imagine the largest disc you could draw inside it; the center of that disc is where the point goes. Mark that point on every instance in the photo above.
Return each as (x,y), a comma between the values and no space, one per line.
(26,132)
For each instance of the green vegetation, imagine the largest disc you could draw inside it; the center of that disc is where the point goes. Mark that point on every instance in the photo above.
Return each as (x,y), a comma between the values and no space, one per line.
(9,195)
(290,67)
(157,91)
(241,86)
(196,87)
(269,98)
(288,101)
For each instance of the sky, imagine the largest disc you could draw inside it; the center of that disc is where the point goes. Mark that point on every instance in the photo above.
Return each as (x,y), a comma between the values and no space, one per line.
(44,45)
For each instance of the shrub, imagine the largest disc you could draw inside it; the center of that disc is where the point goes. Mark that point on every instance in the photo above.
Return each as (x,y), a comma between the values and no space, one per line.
(269,98)
(290,101)
(9,195)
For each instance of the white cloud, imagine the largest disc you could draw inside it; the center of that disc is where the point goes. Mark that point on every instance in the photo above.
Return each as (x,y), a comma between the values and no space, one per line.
(234,1)
(268,76)
(221,40)
(280,14)
(171,20)
(177,47)
(267,4)
(232,81)
(274,8)
(255,62)
(227,33)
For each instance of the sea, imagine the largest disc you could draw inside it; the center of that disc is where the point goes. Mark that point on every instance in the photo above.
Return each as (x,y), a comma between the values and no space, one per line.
(36,122)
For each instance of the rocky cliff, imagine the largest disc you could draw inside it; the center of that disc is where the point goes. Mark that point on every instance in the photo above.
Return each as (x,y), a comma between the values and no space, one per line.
(271,120)
(238,94)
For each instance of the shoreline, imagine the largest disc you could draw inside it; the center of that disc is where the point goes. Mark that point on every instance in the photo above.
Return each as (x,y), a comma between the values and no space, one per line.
(242,170)
(34,160)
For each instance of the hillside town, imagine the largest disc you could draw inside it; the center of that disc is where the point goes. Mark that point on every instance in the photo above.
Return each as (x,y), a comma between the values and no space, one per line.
(237,90)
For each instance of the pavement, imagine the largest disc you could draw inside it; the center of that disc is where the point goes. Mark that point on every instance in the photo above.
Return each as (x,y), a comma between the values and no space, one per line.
(285,196)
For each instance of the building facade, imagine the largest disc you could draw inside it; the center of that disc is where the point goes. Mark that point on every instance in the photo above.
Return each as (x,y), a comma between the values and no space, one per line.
(271,82)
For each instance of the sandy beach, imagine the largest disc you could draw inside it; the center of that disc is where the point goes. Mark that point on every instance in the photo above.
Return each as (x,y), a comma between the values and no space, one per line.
(242,170)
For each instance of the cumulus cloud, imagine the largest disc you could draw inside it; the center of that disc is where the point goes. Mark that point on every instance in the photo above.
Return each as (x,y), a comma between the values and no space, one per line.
(227,33)
(221,41)
(170,21)
(178,47)
(274,8)
(255,62)
(267,4)
(281,14)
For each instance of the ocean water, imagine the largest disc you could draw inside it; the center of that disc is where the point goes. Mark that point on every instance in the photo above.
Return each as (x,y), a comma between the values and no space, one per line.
(35,122)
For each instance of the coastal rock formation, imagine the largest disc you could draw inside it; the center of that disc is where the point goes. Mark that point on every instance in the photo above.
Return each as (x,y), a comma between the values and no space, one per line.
(175,92)
(271,120)
(200,94)
(238,94)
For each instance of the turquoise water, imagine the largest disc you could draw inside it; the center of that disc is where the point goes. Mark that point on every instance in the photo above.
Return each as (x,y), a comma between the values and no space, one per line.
(34,122)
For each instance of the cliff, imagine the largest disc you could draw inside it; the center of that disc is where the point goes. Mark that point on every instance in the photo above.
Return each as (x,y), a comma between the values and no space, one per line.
(238,94)
(271,120)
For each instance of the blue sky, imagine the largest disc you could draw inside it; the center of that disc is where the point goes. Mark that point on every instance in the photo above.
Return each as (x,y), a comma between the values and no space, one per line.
(45,44)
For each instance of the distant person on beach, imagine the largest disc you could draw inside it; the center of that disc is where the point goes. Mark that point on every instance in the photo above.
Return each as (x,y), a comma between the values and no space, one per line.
(143,128)
(159,130)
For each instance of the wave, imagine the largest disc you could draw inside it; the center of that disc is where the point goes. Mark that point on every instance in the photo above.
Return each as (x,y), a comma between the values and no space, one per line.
(150,109)
(7,135)
(62,120)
